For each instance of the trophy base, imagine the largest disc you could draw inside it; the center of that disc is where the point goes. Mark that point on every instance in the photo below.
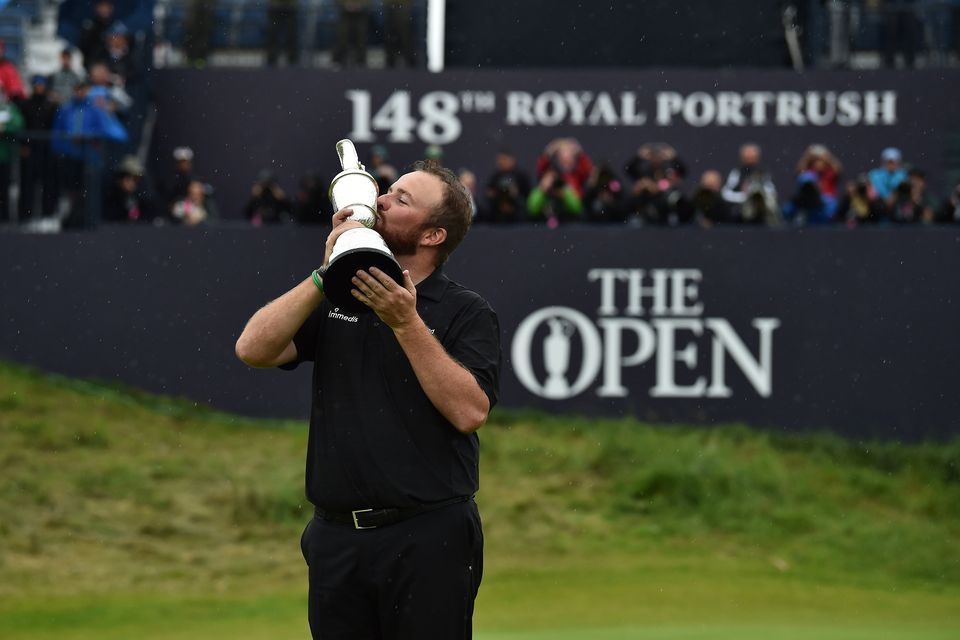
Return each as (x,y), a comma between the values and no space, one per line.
(337,281)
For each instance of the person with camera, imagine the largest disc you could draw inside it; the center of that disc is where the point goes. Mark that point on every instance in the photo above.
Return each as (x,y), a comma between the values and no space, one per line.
(268,203)
(860,204)
(750,190)
(554,200)
(507,190)
(394,550)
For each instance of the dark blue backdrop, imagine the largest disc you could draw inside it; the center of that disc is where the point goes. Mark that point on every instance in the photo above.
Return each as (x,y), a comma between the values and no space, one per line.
(866,340)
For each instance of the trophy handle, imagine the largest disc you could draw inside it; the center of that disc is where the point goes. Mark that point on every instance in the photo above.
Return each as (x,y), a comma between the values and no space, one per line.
(348,155)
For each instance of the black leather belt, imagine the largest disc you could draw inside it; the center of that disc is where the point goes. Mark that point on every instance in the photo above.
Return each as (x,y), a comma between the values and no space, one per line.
(373,518)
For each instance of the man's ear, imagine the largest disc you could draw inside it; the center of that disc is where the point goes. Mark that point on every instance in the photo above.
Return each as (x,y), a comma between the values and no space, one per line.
(434,237)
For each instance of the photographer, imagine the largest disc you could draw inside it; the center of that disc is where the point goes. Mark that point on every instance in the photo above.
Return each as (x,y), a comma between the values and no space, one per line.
(507,191)
(750,190)
(268,203)
(860,204)
(554,200)
(949,212)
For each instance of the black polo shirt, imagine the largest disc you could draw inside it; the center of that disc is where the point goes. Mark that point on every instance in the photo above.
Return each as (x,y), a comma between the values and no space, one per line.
(376,440)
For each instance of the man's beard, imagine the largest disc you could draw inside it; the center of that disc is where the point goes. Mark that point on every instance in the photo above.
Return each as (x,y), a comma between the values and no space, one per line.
(402,243)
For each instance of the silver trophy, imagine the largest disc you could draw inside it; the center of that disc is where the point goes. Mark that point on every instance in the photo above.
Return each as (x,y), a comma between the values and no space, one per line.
(355,249)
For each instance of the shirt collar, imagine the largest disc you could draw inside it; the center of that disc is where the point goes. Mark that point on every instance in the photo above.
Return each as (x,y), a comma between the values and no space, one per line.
(433,286)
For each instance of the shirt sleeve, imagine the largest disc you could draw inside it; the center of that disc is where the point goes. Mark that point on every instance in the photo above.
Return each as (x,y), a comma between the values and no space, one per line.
(306,339)
(474,342)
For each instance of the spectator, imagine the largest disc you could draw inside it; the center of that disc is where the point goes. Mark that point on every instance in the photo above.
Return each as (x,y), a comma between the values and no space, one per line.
(911,201)
(554,199)
(352,27)
(93,33)
(64,80)
(707,203)
(902,31)
(507,190)
(750,190)
(198,31)
(268,203)
(282,31)
(197,207)
(313,204)
(860,204)
(107,88)
(949,212)
(177,187)
(808,205)
(648,171)
(675,207)
(650,162)
(398,32)
(11,123)
(10,82)
(564,157)
(434,154)
(818,159)
(887,177)
(81,129)
(37,170)
(603,199)
(127,200)
(119,58)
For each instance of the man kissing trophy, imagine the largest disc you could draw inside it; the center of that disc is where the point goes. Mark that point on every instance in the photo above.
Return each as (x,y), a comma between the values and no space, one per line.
(356,249)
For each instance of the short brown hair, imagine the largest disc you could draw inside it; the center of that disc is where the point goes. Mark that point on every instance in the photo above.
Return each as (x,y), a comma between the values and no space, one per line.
(454,211)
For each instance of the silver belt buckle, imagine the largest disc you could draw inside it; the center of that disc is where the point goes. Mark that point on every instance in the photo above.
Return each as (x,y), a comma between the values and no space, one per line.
(356,525)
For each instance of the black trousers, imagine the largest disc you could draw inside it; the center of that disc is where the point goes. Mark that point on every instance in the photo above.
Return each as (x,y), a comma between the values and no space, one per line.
(413,580)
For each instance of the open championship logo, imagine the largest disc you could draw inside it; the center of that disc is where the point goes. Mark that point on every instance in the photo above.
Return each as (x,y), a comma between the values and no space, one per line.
(662,316)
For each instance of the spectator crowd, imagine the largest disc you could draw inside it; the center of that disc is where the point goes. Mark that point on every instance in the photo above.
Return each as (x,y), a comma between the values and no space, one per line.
(67,141)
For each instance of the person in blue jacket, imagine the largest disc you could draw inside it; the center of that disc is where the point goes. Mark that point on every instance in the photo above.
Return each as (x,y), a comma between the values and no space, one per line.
(81,131)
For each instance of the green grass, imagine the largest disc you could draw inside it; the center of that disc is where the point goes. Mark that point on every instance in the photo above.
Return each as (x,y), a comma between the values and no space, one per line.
(126,515)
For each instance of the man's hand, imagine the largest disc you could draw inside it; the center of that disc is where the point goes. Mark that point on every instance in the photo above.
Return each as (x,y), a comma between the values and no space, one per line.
(396,305)
(341,224)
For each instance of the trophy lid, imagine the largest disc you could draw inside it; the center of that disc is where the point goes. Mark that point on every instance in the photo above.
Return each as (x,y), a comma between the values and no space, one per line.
(348,155)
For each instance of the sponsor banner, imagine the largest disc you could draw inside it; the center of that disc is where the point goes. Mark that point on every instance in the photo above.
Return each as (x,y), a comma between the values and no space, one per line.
(848,331)
(289,120)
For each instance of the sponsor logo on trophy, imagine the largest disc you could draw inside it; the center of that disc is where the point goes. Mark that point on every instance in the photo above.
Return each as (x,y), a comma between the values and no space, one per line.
(355,249)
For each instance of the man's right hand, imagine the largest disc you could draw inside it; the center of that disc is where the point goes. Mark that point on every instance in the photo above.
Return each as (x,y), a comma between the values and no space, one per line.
(341,224)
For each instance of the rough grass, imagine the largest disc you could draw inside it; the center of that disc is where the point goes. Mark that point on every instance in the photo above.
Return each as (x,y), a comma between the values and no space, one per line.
(111,498)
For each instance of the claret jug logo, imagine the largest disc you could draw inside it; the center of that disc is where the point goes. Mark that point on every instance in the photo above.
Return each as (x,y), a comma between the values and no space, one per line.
(645,317)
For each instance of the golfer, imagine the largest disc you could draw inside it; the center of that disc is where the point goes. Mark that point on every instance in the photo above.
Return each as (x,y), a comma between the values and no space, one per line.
(394,549)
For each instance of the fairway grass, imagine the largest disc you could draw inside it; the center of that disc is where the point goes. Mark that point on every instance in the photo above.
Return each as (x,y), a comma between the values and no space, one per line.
(559,603)
(130,516)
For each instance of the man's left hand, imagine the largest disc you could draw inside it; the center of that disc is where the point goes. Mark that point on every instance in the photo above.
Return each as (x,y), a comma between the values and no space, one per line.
(396,305)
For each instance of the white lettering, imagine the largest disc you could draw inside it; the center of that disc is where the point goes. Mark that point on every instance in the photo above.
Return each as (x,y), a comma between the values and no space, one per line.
(699,109)
(726,340)
(613,361)
(848,109)
(817,117)
(603,111)
(658,291)
(549,109)
(630,114)
(729,105)
(608,293)
(669,104)
(758,106)
(577,105)
(684,286)
(790,108)
(520,108)
(880,108)
(667,355)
